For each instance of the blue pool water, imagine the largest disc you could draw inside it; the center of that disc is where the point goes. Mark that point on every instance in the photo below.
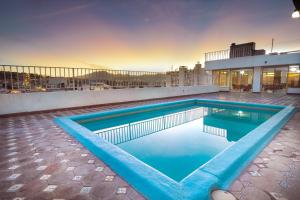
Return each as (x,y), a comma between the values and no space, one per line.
(177,140)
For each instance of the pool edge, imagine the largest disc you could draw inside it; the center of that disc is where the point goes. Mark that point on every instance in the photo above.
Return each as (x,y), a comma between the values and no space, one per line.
(197,186)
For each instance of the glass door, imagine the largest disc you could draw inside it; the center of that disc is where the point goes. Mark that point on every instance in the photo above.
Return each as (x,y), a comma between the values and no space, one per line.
(241,80)
(267,80)
(280,79)
(235,81)
(246,80)
(274,80)
(221,78)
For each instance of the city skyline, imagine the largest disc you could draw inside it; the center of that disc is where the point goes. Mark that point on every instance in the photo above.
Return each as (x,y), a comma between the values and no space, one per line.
(139,35)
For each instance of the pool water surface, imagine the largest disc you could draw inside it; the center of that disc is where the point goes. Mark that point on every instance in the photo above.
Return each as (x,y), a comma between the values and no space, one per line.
(178,140)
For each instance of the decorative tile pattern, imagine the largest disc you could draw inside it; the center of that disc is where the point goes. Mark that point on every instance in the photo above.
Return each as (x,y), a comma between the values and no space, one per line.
(99,169)
(76,178)
(19,198)
(45,177)
(109,178)
(60,154)
(255,173)
(13,176)
(12,153)
(13,167)
(13,160)
(50,188)
(91,161)
(41,168)
(14,188)
(49,159)
(85,190)
(121,190)
(38,160)
(70,168)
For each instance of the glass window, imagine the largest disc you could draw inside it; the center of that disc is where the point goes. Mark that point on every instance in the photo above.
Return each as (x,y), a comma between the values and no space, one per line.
(220,78)
(274,79)
(215,75)
(223,81)
(241,80)
(294,77)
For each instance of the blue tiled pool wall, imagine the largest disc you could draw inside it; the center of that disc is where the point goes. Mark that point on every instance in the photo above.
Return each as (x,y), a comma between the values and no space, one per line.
(115,119)
(217,173)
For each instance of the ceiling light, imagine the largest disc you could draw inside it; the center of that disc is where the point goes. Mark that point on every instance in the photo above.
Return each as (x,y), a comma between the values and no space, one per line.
(296,14)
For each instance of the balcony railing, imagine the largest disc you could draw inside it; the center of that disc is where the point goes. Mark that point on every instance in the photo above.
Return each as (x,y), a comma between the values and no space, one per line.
(217,55)
(15,79)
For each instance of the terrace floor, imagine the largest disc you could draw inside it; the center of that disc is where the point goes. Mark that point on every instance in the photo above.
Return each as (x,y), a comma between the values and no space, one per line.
(38,160)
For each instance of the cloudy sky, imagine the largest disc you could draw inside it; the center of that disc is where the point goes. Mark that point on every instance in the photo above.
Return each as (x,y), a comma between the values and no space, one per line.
(138,34)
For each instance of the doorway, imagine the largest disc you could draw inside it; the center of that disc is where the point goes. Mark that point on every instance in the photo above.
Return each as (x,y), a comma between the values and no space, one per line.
(241,80)
(274,80)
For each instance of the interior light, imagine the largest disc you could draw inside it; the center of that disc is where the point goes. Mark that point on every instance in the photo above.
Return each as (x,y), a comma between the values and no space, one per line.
(296,14)
(294,68)
(242,72)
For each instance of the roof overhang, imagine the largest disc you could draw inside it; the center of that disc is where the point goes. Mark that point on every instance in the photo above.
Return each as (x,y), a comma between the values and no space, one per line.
(254,61)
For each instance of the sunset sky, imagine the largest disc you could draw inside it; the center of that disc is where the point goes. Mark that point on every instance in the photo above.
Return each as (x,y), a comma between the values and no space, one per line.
(148,35)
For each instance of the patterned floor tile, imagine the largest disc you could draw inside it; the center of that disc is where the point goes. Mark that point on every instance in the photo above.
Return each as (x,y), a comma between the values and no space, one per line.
(40,160)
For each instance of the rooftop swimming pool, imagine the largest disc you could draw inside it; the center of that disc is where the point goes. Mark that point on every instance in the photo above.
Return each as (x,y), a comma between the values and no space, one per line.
(179,150)
(178,140)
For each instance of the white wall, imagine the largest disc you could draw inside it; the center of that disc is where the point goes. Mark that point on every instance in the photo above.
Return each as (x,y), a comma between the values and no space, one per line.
(254,61)
(256,79)
(293,90)
(29,102)
(224,89)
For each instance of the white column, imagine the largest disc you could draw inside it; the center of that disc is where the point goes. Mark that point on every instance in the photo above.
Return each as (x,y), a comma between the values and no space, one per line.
(256,79)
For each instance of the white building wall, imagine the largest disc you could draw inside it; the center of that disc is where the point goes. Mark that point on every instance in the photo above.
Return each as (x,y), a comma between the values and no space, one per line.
(293,90)
(29,102)
(257,62)
(254,61)
(256,79)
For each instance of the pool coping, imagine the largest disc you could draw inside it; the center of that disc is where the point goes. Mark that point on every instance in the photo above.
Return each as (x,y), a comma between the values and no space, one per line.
(198,185)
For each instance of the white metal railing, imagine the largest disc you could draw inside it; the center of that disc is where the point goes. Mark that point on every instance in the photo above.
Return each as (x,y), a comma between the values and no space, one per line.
(217,55)
(38,78)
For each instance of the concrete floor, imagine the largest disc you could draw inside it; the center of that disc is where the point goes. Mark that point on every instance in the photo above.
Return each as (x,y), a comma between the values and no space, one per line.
(38,160)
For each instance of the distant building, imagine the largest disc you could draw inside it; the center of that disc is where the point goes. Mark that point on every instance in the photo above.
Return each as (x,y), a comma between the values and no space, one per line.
(187,77)
(245,49)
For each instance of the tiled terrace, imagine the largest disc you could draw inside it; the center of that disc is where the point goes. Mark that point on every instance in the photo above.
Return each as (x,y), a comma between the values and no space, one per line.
(38,160)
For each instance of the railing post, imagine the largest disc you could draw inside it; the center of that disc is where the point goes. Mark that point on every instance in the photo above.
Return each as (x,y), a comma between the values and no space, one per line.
(34,72)
(11,78)
(5,83)
(18,84)
(73,78)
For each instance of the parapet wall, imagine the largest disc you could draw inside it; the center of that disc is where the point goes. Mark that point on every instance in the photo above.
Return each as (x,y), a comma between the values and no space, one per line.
(39,101)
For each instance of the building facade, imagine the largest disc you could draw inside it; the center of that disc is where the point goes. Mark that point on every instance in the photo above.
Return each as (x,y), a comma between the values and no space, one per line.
(187,77)
(249,70)
(246,49)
